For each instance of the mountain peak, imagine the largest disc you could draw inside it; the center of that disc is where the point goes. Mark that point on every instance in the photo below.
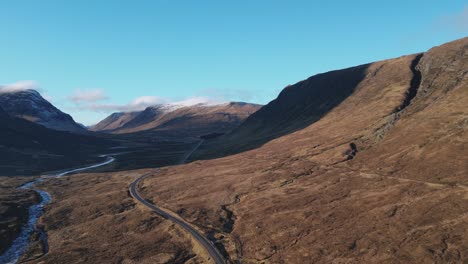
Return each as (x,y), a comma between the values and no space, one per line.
(30,105)
(12,91)
(200,118)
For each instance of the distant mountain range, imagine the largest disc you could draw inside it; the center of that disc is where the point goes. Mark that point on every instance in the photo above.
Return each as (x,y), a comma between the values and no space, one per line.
(36,136)
(197,120)
(31,106)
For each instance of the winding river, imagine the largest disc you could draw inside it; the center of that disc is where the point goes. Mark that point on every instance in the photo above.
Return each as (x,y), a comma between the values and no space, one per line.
(21,243)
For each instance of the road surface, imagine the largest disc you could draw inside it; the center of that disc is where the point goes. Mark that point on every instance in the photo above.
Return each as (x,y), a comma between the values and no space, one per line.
(108,160)
(188,154)
(214,253)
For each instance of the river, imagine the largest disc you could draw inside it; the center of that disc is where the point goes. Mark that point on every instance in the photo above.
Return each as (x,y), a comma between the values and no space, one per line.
(21,243)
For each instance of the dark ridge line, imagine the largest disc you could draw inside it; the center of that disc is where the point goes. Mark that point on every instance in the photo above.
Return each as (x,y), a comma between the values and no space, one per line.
(414,84)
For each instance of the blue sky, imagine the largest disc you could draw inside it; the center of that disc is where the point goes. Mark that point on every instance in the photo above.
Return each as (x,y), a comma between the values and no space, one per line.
(91,58)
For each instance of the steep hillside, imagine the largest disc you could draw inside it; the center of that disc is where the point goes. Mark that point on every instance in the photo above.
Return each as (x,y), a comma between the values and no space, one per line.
(31,106)
(3,114)
(114,121)
(425,138)
(379,178)
(142,120)
(196,120)
(28,148)
(304,103)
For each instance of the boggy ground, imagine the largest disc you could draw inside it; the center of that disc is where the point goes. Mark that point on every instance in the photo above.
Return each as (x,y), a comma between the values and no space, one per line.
(92,219)
(381,178)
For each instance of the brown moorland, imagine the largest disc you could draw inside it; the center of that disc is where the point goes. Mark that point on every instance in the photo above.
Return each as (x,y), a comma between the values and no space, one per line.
(92,219)
(379,176)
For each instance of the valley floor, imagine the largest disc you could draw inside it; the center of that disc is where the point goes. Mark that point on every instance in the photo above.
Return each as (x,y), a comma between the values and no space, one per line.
(103,224)
(298,212)
(301,212)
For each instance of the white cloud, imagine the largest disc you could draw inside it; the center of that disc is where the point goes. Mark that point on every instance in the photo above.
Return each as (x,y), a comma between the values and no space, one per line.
(242,95)
(196,100)
(91,100)
(93,95)
(145,101)
(19,86)
(137,104)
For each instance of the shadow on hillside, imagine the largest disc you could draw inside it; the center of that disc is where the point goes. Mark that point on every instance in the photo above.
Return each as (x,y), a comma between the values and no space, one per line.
(297,107)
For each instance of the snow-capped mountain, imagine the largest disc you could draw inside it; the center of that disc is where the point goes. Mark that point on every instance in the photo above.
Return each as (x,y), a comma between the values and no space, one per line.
(30,105)
(198,118)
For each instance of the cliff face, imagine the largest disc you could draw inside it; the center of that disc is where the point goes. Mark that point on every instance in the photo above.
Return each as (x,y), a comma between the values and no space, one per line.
(114,121)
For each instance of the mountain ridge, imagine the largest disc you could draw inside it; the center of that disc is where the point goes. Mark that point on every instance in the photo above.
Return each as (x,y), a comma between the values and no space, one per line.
(31,106)
(300,105)
(198,118)
(379,178)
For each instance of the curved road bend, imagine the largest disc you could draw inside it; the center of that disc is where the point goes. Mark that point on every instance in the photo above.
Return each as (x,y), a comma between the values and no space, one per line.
(216,256)
(204,242)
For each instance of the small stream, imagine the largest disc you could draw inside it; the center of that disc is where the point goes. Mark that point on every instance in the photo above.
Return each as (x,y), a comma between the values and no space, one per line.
(21,243)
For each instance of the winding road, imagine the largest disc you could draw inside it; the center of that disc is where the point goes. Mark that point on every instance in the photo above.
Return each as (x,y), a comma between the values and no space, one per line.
(109,159)
(211,249)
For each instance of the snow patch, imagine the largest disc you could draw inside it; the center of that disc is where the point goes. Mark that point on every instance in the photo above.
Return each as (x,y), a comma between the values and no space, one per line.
(19,86)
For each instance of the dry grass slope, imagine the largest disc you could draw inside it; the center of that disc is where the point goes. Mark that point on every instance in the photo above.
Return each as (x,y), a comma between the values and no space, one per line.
(104,225)
(378,176)
(381,178)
